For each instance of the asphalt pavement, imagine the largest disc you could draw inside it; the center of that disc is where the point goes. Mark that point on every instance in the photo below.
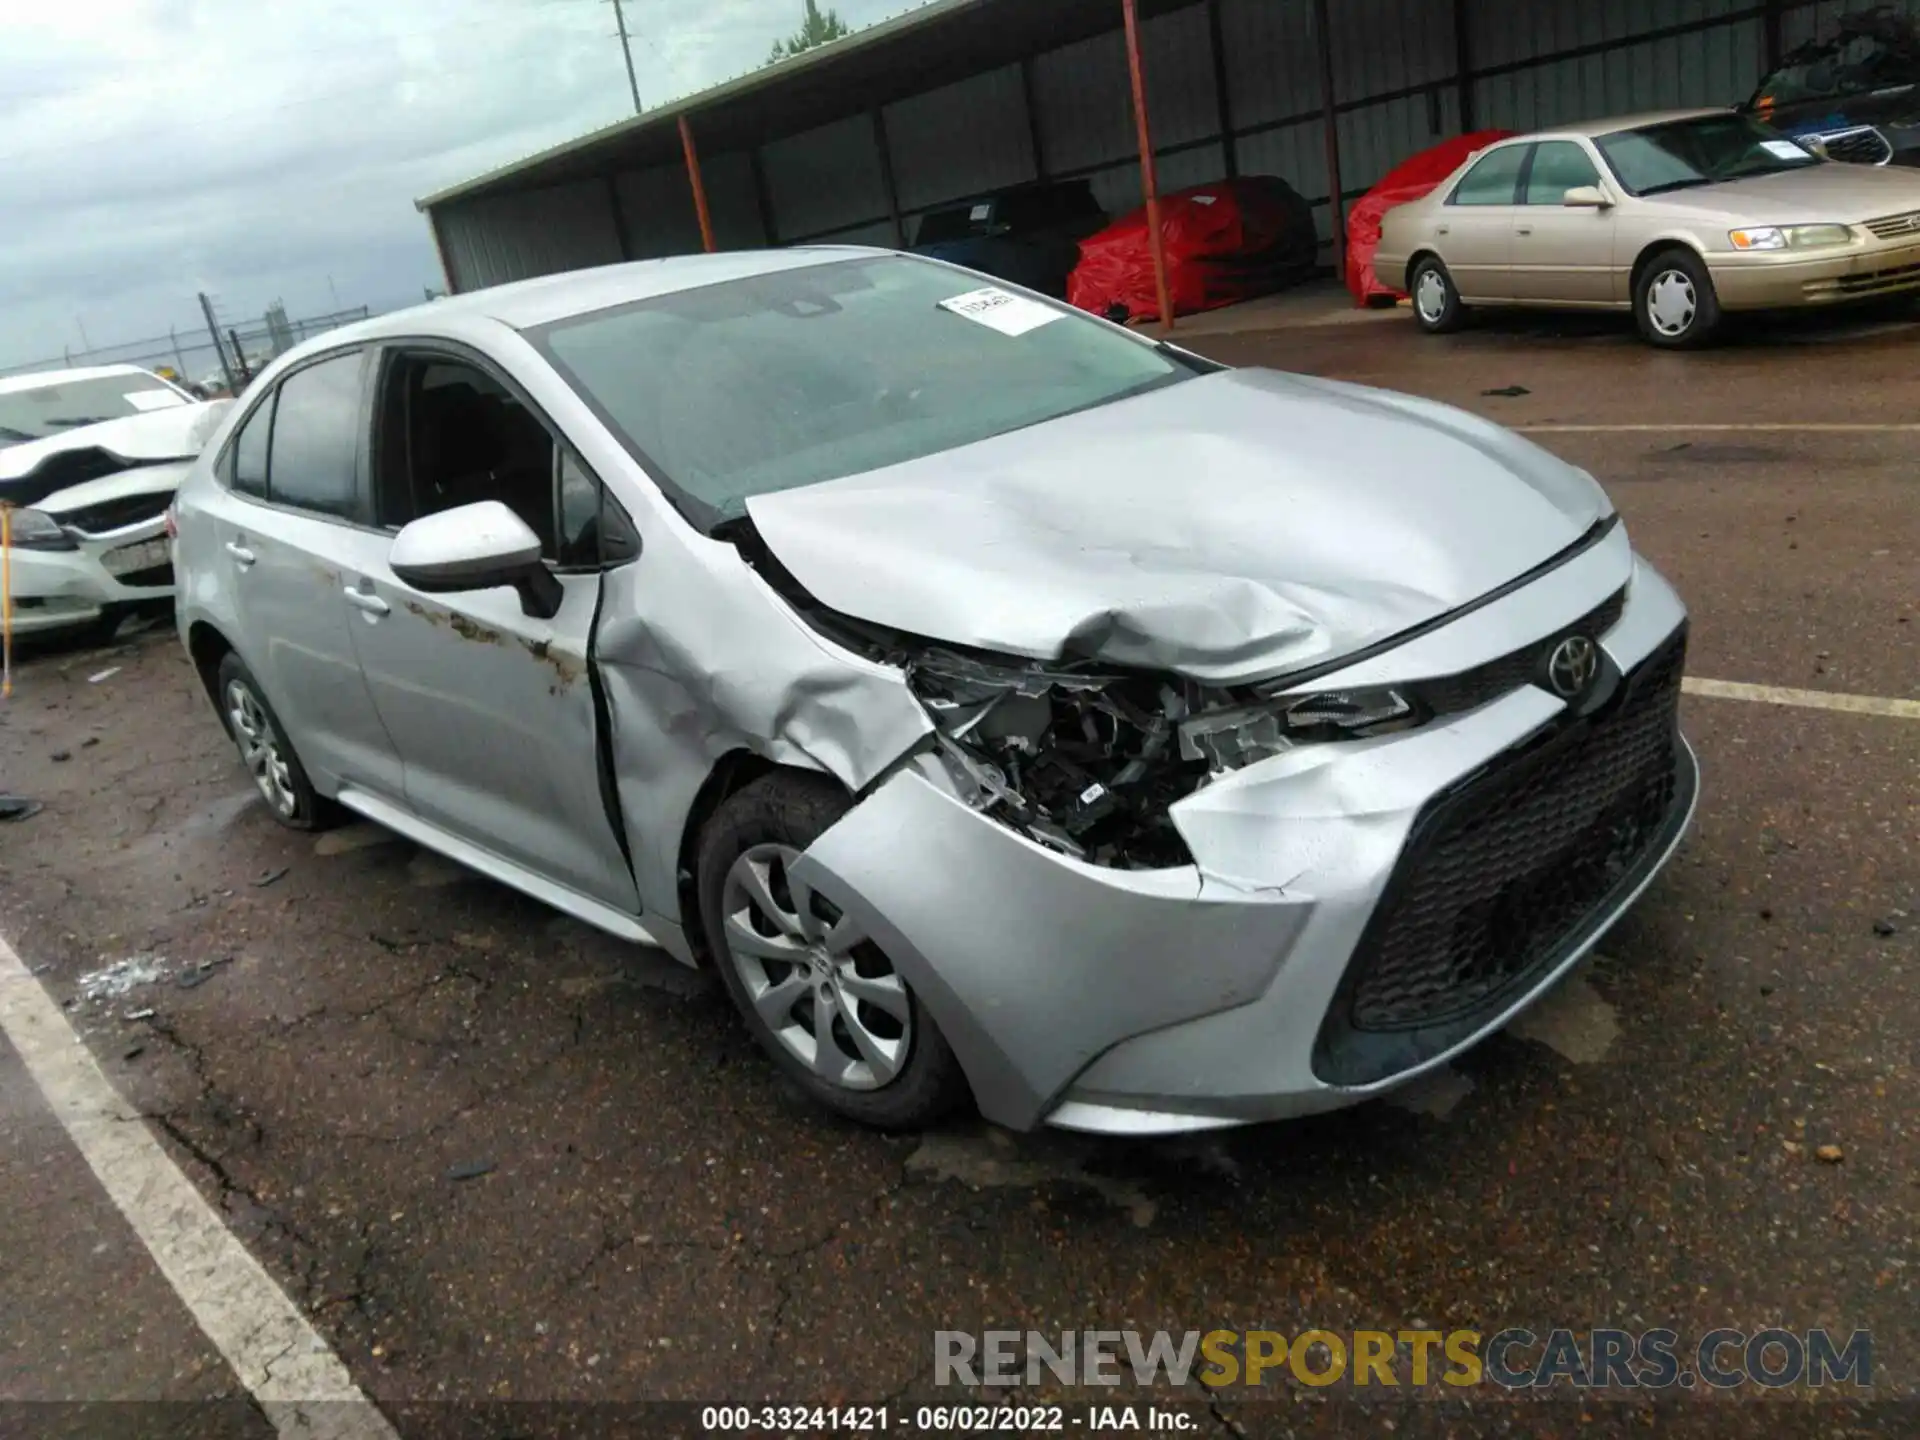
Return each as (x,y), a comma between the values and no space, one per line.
(494,1157)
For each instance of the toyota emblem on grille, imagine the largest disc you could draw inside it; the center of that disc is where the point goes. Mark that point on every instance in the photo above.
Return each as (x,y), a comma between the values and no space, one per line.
(1574,663)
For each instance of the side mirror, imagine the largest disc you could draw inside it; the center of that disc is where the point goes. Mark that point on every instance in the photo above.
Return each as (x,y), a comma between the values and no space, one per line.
(476,547)
(1586,197)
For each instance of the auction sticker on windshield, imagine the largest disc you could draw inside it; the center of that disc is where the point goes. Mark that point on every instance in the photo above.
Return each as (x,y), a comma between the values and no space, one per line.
(153,399)
(1784,150)
(998,310)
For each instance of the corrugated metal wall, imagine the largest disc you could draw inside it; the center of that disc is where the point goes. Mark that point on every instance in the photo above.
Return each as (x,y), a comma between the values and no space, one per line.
(511,236)
(1703,52)
(1396,75)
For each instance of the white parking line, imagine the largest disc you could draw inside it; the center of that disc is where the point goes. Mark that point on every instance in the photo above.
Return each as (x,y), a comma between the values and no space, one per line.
(1805,699)
(1683,428)
(286,1366)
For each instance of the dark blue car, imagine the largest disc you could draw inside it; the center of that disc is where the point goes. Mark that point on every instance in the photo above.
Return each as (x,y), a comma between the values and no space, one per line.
(1857,94)
(1029,235)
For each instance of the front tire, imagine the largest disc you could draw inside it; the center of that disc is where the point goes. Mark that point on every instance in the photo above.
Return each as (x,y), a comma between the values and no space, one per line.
(1674,302)
(1436,301)
(819,996)
(266,752)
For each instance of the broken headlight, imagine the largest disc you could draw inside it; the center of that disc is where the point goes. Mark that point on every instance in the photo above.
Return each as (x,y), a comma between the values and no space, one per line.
(1229,738)
(1080,760)
(1089,762)
(37,530)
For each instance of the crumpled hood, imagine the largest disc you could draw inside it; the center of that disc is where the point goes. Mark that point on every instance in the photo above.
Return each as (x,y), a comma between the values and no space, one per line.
(1227,528)
(161,479)
(178,432)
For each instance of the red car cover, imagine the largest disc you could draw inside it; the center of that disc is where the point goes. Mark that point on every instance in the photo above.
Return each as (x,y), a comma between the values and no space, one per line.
(1411,180)
(1225,242)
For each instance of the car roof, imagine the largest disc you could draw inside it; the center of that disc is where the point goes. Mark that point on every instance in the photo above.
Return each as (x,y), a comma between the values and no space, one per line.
(524,304)
(9,384)
(1591,129)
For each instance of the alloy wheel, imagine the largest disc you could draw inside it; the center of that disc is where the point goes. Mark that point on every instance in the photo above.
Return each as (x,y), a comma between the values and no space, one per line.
(260,748)
(821,988)
(1672,303)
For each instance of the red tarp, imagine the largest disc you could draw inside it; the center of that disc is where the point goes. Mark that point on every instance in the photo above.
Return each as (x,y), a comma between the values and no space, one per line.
(1225,242)
(1413,178)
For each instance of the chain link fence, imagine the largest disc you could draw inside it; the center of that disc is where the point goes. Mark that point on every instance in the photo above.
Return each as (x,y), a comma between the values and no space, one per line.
(191,353)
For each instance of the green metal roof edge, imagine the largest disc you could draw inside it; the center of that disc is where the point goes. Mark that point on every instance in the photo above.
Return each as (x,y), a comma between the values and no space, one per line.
(925,14)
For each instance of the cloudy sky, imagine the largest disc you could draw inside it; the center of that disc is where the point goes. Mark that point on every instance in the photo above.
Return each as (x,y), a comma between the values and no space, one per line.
(267,150)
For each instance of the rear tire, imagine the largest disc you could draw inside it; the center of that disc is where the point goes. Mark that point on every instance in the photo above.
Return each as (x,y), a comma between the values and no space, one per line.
(834,1014)
(1674,303)
(266,752)
(1436,300)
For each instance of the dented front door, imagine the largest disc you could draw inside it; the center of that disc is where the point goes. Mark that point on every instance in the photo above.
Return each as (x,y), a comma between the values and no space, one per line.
(493,715)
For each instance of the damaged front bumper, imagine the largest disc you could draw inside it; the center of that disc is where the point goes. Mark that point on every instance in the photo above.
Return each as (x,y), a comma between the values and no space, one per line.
(1355,913)
(56,590)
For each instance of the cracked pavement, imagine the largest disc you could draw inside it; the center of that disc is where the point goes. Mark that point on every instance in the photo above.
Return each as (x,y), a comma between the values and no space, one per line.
(494,1155)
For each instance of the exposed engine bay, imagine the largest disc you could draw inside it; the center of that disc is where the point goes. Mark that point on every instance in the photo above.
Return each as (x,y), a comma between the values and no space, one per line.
(1083,762)
(1085,758)
(1089,762)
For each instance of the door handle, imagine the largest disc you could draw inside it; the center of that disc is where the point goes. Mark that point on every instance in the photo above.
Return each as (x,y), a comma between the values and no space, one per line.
(1443,229)
(361,600)
(240,553)
(1523,230)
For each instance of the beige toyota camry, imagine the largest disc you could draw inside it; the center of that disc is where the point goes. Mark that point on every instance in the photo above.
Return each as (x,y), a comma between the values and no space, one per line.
(1680,217)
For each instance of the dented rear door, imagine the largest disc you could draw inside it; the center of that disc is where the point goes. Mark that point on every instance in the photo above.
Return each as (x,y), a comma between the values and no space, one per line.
(493,714)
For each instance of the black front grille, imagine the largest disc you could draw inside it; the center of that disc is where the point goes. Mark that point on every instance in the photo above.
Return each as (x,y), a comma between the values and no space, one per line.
(117,514)
(153,575)
(1503,874)
(1452,694)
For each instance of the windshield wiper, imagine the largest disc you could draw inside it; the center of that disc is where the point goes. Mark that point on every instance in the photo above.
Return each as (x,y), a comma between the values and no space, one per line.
(1672,185)
(74,422)
(16,437)
(1766,170)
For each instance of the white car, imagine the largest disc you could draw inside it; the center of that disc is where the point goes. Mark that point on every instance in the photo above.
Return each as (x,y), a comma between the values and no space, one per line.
(89,461)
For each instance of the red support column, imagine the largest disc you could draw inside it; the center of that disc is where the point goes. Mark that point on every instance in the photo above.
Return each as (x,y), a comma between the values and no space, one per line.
(699,187)
(1149,180)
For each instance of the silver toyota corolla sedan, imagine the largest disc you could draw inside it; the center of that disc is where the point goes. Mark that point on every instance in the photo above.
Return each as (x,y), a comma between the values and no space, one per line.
(1002,703)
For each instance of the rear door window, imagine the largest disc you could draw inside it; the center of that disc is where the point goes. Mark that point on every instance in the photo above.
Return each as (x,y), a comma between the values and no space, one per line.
(316,438)
(247,461)
(1494,181)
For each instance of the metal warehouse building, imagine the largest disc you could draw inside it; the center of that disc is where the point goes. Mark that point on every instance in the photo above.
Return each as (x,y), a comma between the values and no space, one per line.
(853,141)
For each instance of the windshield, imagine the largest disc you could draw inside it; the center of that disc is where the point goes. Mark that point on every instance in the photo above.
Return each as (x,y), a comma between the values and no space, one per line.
(781,380)
(1870,53)
(45,410)
(1701,151)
